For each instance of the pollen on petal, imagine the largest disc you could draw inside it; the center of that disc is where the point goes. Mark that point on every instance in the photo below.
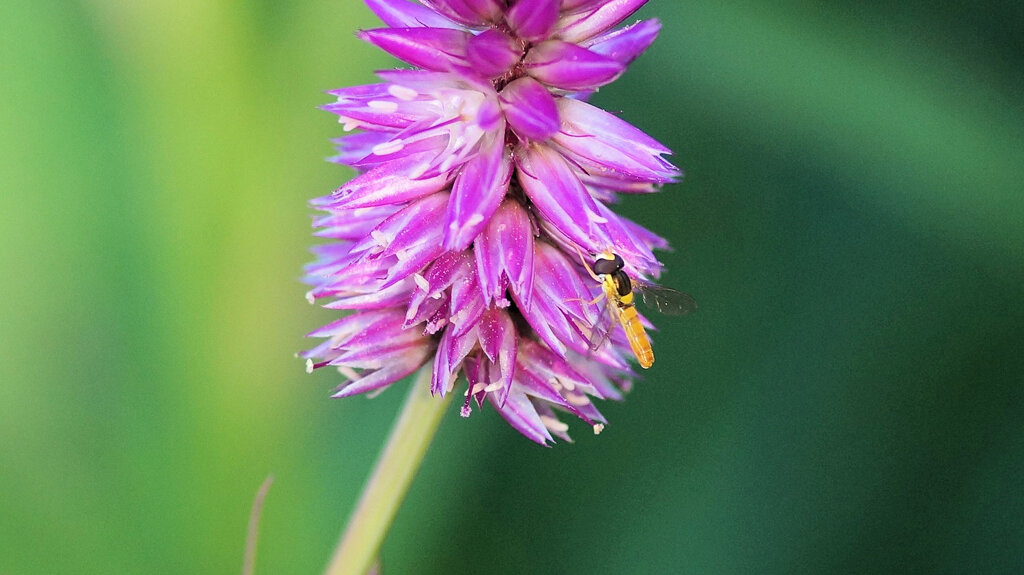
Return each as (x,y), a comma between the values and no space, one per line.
(421,282)
(403,93)
(388,148)
(554,424)
(383,106)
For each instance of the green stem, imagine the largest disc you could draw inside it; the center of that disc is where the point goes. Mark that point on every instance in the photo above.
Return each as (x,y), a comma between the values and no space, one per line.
(384,492)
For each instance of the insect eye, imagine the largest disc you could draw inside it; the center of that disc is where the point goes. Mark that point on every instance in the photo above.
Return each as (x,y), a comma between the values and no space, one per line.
(603,266)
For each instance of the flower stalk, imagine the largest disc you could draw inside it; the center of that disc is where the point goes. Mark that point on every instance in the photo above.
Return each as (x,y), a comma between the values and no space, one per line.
(384,492)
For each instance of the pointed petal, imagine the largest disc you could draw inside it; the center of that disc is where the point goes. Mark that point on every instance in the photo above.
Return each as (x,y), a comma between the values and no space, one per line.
(439,49)
(473,13)
(341,330)
(394,295)
(451,350)
(519,412)
(477,192)
(559,296)
(530,109)
(557,193)
(551,421)
(404,366)
(573,5)
(613,147)
(505,252)
(405,14)
(388,183)
(620,240)
(499,341)
(570,67)
(627,44)
(355,147)
(585,24)
(533,19)
(491,53)
(352,224)
(467,305)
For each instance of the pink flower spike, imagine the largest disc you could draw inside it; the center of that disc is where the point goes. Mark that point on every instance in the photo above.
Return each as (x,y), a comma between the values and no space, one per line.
(482,181)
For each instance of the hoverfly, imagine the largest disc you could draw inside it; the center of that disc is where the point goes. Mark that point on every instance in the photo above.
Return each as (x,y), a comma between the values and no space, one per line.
(619,293)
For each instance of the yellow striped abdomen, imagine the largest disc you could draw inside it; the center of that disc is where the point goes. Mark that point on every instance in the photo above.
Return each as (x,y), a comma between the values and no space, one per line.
(637,336)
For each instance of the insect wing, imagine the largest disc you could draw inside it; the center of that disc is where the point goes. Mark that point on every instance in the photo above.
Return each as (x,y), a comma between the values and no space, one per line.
(665,300)
(605,325)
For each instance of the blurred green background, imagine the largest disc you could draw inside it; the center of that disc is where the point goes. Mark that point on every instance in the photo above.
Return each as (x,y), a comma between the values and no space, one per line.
(847,399)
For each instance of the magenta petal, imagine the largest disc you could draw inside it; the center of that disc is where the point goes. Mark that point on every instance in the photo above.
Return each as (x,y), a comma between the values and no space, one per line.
(342,330)
(585,24)
(557,193)
(416,152)
(499,341)
(467,305)
(571,5)
(549,367)
(367,109)
(352,224)
(533,19)
(451,350)
(626,44)
(439,49)
(355,147)
(585,119)
(570,67)
(386,184)
(489,10)
(403,366)
(504,253)
(397,294)
(614,146)
(423,309)
(491,53)
(519,412)
(646,236)
(477,192)
(538,388)
(551,421)
(373,346)
(530,109)
(559,295)
(405,14)
(473,13)
(445,270)
(621,240)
